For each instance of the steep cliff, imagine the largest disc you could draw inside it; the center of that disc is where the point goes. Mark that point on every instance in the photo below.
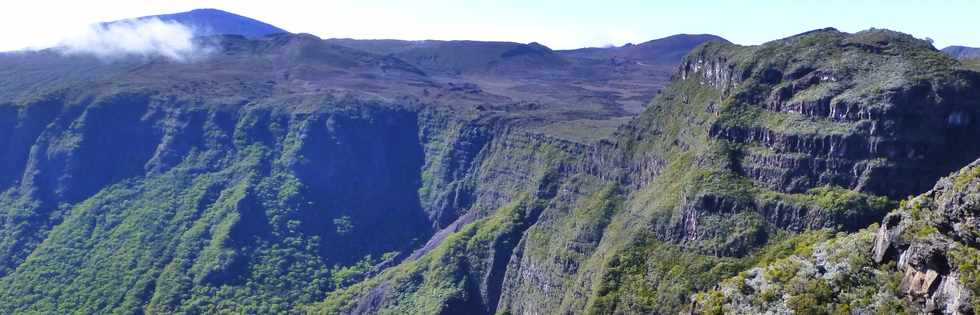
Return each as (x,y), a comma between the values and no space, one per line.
(130,204)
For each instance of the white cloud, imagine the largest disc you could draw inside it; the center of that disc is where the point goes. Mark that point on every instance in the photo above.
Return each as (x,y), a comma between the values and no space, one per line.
(144,37)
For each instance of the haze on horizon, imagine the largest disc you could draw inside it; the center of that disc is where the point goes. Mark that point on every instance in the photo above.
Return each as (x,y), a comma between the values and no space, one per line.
(557,24)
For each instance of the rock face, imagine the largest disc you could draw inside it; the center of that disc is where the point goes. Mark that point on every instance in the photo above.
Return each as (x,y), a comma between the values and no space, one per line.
(932,244)
(847,132)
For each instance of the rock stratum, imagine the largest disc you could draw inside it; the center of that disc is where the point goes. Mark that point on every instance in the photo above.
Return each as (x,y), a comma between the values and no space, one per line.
(290,174)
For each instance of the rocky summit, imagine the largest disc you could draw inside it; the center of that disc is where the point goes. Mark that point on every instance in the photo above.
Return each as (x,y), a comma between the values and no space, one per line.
(284,173)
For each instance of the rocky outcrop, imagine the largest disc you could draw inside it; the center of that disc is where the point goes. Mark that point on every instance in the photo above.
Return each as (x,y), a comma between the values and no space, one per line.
(915,260)
(927,239)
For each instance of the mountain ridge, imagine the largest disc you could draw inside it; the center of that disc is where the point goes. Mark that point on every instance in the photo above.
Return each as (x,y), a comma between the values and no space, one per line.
(658,49)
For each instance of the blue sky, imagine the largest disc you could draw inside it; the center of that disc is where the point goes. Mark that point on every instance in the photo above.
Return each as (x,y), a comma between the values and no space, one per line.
(558,24)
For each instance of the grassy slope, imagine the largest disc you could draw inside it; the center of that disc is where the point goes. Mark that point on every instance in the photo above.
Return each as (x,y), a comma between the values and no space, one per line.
(973,63)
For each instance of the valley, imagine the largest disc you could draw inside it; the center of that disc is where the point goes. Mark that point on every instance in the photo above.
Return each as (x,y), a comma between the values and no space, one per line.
(285,173)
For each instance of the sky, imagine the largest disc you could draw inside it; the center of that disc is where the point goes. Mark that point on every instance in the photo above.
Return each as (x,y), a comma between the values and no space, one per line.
(557,24)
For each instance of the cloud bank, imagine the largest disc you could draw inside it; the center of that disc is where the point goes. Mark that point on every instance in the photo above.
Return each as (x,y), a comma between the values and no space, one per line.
(143,37)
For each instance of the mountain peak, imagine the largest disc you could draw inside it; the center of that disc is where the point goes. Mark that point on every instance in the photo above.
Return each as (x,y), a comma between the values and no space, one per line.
(209,21)
(700,38)
(962,52)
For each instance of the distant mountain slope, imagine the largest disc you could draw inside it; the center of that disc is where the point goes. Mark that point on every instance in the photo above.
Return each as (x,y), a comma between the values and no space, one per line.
(463,56)
(206,22)
(667,49)
(382,46)
(962,52)
(467,56)
(619,78)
